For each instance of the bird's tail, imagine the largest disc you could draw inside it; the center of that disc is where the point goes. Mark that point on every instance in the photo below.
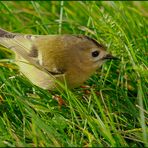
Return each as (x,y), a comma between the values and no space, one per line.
(5,37)
(16,41)
(19,43)
(4,33)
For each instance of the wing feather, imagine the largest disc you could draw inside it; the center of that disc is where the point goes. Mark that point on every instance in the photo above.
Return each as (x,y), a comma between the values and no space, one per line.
(23,45)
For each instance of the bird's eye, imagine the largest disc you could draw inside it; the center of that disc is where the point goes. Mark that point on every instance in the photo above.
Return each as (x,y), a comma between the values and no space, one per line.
(95,53)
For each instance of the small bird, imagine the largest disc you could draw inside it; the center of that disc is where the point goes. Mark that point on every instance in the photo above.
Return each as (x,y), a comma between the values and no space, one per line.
(48,59)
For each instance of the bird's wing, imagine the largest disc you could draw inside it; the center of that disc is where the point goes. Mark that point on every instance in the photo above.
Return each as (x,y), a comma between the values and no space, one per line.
(19,43)
(23,46)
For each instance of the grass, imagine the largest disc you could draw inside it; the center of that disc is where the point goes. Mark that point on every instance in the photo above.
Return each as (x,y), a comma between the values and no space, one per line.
(112,112)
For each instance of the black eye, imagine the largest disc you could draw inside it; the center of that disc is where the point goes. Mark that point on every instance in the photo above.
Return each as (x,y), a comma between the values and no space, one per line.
(95,53)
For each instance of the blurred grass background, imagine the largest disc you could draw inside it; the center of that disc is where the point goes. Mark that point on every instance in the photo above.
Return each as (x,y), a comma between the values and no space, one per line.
(113,111)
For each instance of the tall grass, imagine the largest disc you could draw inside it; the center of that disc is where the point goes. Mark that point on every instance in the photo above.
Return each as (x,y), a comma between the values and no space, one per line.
(113,111)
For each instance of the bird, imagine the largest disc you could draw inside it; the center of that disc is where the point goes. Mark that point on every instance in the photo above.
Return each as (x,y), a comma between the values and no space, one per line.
(48,60)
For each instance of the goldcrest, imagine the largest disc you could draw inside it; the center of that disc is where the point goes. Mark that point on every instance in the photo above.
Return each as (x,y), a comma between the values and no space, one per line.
(46,59)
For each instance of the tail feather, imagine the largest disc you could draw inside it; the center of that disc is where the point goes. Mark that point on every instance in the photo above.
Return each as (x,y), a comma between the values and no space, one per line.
(19,43)
(8,40)
(6,34)
(3,33)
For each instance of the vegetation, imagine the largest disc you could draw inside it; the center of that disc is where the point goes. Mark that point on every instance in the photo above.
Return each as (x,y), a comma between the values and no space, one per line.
(113,111)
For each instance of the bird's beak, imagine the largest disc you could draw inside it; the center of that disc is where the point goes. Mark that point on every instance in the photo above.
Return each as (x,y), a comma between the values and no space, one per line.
(109,57)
